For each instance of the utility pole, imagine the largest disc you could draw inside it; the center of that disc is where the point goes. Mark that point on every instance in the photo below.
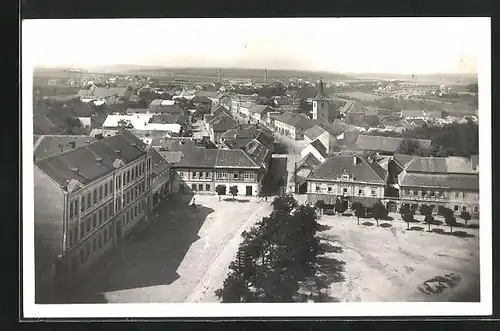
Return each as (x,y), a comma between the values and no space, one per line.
(265,75)
(295,177)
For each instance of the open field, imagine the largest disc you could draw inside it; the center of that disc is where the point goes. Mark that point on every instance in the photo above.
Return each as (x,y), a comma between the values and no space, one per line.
(390,263)
(360,96)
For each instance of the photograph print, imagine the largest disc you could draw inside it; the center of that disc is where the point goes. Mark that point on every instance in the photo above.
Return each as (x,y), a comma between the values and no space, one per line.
(278,161)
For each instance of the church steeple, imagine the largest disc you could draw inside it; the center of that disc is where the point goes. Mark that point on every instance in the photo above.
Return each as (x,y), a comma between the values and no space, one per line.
(321,93)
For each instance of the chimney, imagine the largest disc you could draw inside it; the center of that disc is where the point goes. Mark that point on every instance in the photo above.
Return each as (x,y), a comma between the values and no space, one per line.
(355,159)
(133,144)
(75,170)
(61,146)
(72,144)
(99,136)
(99,160)
(118,151)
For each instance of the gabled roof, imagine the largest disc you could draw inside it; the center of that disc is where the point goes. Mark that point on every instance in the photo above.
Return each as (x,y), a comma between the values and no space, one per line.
(335,129)
(215,158)
(46,145)
(104,92)
(222,123)
(246,131)
(456,165)
(172,109)
(159,164)
(259,109)
(87,163)
(318,145)
(386,144)
(314,132)
(447,181)
(221,110)
(257,152)
(295,120)
(363,171)
(321,93)
(310,161)
(208,94)
(434,114)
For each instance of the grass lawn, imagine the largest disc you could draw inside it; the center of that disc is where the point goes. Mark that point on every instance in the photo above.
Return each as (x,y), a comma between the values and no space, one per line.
(390,263)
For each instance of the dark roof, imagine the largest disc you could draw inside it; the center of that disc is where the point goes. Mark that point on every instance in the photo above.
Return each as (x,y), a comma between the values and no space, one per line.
(403,160)
(318,145)
(109,91)
(259,109)
(321,93)
(46,145)
(171,109)
(221,110)
(386,144)
(416,121)
(335,128)
(222,123)
(363,171)
(257,152)
(314,132)
(448,181)
(295,120)
(456,165)
(413,113)
(215,158)
(81,163)
(137,110)
(246,131)
(207,94)
(236,143)
(159,163)
(434,114)
(171,157)
(353,107)
(170,119)
(201,99)
(309,161)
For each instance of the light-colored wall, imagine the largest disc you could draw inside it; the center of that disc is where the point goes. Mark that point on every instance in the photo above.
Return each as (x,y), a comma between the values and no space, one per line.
(320,111)
(336,188)
(310,149)
(450,198)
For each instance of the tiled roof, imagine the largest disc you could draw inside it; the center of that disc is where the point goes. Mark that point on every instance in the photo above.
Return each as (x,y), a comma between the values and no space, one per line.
(403,160)
(172,109)
(132,111)
(386,144)
(318,145)
(221,110)
(259,109)
(314,132)
(434,114)
(159,164)
(257,152)
(104,92)
(208,94)
(363,171)
(353,107)
(246,131)
(236,143)
(136,121)
(169,119)
(295,120)
(457,165)
(82,163)
(448,181)
(310,161)
(223,123)
(171,157)
(47,145)
(321,93)
(335,129)
(215,158)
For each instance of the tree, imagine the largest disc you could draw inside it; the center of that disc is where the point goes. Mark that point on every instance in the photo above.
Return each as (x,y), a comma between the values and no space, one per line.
(359,210)
(221,190)
(379,211)
(340,206)
(449,218)
(274,256)
(429,219)
(404,209)
(320,204)
(408,218)
(409,146)
(465,216)
(233,190)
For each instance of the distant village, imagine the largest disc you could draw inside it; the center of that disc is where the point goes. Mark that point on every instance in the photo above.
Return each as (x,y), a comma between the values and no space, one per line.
(110,151)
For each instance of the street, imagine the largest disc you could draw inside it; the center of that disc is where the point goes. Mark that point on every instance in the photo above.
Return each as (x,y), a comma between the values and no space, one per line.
(184,252)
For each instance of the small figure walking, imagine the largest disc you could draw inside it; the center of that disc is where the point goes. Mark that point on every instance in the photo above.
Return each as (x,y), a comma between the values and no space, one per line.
(265,198)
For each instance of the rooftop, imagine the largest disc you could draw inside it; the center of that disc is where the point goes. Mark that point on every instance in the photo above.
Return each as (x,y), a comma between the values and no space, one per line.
(358,167)
(314,132)
(295,120)
(87,163)
(222,123)
(386,144)
(318,145)
(46,145)
(321,93)
(216,158)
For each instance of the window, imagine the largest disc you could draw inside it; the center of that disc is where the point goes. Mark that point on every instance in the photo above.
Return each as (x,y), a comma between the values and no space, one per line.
(136,171)
(456,194)
(207,187)
(94,220)
(373,192)
(83,204)
(105,189)
(464,194)
(128,176)
(236,175)
(88,250)
(105,214)
(360,192)
(100,217)
(207,175)
(222,175)
(105,235)
(110,209)
(100,240)
(88,224)
(135,210)
(433,194)
(82,256)
(71,237)
(193,187)
(110,186)
(194,174)
(132,174)
(318,188)
(455,208)
(476,209)
(88,200)
(127,217)
(76,207)
(71,209)
(200,187)
(181,174)
(100,192)
(345,177)
(82,230)
(95,196)
(464,208)
(124,179)
(344,190)
(119,180)
(94,245)
(75,234)
(329,188)
(415,192)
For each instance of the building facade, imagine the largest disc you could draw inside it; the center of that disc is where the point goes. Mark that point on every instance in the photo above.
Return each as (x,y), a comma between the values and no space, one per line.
(96,201)
(321,105)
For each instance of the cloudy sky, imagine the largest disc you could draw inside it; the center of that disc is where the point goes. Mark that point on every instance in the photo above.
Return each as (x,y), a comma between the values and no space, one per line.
(388,45)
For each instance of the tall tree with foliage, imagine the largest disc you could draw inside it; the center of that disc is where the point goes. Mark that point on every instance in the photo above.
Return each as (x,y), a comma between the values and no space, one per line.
(465,215)
(233,190)
(379,211)
(340,206)
(221,190)
(278,252)
(408,217)
(449,218)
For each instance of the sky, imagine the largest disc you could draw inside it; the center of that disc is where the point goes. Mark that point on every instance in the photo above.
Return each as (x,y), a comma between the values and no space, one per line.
(344,45)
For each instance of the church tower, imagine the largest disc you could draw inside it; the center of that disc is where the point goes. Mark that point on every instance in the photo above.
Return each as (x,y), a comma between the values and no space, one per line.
(321,105)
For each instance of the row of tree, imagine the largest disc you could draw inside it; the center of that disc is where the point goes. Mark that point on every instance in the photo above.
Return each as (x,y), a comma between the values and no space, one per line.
(275,256)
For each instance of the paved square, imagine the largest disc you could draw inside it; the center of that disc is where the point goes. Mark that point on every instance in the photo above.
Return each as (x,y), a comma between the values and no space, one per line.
(184,254)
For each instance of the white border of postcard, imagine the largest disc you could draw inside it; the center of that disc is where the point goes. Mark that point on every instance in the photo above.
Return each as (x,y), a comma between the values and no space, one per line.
(484,307)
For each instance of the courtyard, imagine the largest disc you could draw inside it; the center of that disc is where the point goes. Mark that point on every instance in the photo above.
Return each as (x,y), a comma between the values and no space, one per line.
(388,263)
(182,257)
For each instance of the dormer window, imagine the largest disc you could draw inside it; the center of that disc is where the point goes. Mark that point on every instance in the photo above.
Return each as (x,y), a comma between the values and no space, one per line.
(345,177)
